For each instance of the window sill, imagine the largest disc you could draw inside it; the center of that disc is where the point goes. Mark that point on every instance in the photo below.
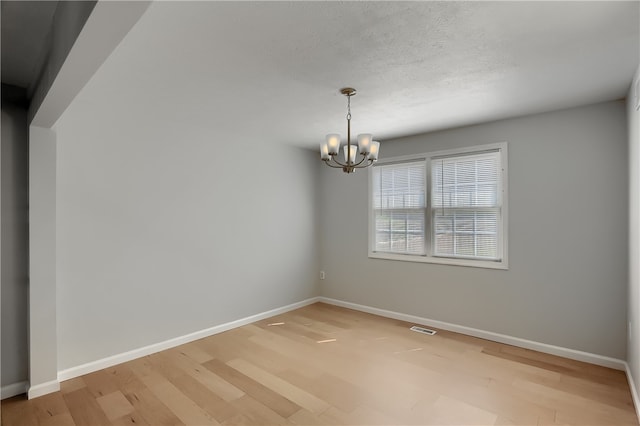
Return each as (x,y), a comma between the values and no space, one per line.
(441,260)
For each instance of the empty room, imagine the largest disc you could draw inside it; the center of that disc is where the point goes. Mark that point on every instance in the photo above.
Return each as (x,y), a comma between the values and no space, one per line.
(320,213)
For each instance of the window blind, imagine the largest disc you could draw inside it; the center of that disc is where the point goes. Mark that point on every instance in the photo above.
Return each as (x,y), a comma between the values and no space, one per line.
(399,203)
(466,205)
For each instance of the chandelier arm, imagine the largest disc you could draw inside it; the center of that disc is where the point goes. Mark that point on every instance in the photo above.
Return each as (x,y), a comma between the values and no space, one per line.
(332,165)
(365,165)
(364,157)
(333,158)
(339,164)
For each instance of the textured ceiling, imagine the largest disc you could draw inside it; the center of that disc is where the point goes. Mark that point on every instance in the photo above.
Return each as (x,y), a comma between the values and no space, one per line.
(25,31)
(269,72)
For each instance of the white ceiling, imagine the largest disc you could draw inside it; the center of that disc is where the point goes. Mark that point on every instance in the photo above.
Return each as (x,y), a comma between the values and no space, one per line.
(269,72)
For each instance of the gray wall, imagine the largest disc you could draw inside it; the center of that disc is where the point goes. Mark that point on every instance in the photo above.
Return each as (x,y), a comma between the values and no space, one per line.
(15,235)
(633,353)
(83,35)
(567,280)
(68,20)
(42,262)
(163,231)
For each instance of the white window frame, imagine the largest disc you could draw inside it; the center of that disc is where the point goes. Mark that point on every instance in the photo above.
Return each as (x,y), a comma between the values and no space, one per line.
(503,226)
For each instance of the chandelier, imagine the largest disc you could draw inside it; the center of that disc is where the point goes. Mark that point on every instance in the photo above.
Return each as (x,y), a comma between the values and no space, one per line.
(367,147)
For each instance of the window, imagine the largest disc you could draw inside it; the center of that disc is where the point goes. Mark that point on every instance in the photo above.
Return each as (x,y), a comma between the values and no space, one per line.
(399,204)
(443,207)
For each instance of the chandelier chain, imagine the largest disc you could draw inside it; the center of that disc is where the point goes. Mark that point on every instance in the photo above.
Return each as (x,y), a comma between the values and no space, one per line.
(348,107)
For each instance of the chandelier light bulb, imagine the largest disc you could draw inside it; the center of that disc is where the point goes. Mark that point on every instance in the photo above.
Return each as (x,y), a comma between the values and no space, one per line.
(364,142)
(333,143)
(375,149)
(324,151)
(351,157)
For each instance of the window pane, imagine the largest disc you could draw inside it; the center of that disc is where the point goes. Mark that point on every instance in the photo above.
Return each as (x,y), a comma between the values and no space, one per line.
(400,231)
(465,180)
(487,246)
(444,244)
(383,222)
(399,202)
(464,245)
(465,205)
(399,186)
(487,222)
(443,224)
(463,222)
(398,222)
(382,241)
(398,243)
(415,243)
(466,233)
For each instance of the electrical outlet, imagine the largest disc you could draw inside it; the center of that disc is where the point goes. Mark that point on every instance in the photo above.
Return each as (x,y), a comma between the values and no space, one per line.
(322,275)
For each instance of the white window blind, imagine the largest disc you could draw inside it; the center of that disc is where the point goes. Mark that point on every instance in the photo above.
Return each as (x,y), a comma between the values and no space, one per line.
(448,207)
(399,205)
(466,206)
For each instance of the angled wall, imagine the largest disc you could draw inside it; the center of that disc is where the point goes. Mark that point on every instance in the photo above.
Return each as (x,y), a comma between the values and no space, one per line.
(83,35)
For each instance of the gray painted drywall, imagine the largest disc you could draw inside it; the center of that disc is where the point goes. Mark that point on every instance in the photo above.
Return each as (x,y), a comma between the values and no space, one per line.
(83,35)
(163,231)
(68,20)
(567,280)
(633,352)
(76,52)
(42,257)
(14,224)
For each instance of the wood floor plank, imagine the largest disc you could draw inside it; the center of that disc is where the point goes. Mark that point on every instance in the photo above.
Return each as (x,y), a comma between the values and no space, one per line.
(184,408)
(206,377)
(72,384)
(84,408)
(304,417)
(18,411)
(51,410)
(293,393)
(209,401)
(255,390)
(99,383)
(332,389)
(328,365)
(115,405)
(150,408)
(147,408)
(575,405)
(64,419)
(450,411)
(194,352)
(131,419)
(256,413)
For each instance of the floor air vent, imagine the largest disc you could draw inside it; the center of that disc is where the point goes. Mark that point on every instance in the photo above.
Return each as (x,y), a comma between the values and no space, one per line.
(423,330)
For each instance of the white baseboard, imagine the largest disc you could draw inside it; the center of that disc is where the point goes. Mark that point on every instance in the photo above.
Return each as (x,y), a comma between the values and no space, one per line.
(634,391)
(13,389)
(604,361)
(90,367)
(43,389)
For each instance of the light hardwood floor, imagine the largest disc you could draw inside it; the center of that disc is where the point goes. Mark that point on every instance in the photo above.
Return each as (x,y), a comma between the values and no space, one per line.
(324,365)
